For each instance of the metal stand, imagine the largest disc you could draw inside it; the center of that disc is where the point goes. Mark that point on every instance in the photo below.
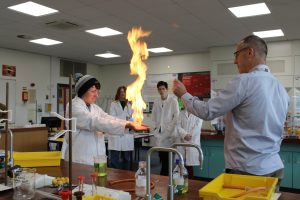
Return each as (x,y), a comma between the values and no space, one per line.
(72,128)
(6,119)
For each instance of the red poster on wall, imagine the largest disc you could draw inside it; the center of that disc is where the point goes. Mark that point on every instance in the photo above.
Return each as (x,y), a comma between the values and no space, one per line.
(8,70)
(197,84)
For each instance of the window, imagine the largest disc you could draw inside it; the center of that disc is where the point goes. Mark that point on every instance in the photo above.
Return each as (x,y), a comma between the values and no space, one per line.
(68,67)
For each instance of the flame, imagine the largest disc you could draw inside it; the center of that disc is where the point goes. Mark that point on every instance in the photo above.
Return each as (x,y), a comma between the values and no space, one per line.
(137,67)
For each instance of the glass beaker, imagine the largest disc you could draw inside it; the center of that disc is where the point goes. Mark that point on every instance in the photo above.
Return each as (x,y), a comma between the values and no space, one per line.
(100,165)
(24,184)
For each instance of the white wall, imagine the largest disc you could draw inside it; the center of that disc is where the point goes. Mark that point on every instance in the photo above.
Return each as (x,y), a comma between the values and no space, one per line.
(30,68)
(41,70)
(44,71)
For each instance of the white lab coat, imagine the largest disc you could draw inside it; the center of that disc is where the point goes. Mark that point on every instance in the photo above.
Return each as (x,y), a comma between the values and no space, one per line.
(87,140)
(189,124)
(124,142)
(165,115)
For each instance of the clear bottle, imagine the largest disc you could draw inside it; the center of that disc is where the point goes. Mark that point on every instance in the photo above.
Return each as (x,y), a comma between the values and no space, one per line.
(180,180)
(140,180)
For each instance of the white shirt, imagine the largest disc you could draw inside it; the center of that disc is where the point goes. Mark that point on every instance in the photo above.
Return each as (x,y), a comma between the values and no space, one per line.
(189,124)
(165,115)
(124,142)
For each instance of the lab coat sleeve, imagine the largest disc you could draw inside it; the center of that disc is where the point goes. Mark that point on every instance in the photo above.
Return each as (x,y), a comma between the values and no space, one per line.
(98,122)
(181,132)
(154,115)
(227,99)
(104,114)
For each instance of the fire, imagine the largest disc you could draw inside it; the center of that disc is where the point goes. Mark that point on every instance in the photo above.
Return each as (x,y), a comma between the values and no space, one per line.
(137,67)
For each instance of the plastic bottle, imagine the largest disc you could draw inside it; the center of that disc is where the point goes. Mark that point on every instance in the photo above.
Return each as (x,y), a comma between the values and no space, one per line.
(140,180)
(180,180)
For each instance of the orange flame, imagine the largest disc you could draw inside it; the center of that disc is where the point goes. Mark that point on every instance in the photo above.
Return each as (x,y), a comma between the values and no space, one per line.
(137,67)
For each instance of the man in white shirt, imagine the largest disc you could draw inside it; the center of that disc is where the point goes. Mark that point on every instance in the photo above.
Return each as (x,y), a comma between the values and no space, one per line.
(164,115)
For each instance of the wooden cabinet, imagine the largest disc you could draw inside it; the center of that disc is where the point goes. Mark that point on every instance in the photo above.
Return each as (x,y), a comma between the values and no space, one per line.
(28,139)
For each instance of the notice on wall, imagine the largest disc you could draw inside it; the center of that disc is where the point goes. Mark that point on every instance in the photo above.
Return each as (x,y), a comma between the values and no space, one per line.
(196,83)
(32,96)
(9,70)
(150,90)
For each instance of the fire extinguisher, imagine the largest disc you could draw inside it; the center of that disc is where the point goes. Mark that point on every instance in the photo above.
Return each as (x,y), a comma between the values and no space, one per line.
(24,95)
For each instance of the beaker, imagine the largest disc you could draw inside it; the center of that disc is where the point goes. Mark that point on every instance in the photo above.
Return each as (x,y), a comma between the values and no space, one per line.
(100,165)
(24,184)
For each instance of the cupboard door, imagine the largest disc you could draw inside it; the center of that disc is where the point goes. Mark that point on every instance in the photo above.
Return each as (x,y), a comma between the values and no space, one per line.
(286,158)
(204,171)
(216,161)
(296,170)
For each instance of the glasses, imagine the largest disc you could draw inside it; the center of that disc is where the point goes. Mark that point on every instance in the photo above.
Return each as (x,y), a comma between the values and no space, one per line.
(238,51)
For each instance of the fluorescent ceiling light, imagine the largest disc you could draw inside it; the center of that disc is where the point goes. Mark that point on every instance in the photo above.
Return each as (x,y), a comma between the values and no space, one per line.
(45,41)
(107,55)
(159,50)
(33,9)
(270,33)
(104,32)
(250,10)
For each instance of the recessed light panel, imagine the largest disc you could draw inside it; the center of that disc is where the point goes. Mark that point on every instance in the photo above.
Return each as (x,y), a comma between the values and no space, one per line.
(159,50)
(104,32)
(33,9)
(250,10)
(108,55)
(270,33)
(45,41)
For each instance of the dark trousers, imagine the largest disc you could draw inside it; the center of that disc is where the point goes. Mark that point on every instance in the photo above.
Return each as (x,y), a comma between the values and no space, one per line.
(277,174)
(164,160)
(120,159)
(190,170)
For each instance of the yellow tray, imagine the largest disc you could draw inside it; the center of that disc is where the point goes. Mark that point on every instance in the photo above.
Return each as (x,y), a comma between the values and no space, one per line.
(215,190)
(98,197)
(37,159)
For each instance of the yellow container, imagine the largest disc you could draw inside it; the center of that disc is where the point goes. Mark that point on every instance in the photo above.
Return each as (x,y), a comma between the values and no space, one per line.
(222,187)
(37,159)
(98,197)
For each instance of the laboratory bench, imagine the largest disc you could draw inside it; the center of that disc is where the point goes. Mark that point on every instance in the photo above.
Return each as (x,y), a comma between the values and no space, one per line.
(213,149)
(160,182)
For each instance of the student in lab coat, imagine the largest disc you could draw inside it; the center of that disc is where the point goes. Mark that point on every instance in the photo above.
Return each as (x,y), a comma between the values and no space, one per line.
(189,131)
(121,146)
(88,140)
(165,115)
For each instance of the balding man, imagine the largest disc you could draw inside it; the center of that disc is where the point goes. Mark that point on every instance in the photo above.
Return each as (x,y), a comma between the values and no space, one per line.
(255,104)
